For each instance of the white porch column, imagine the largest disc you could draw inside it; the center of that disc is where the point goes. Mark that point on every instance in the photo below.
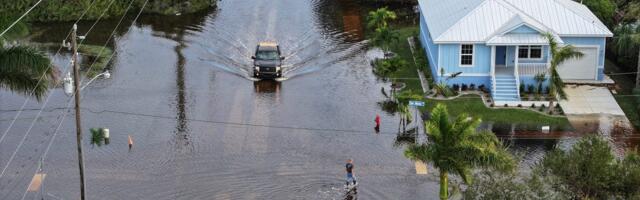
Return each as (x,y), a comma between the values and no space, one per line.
(493,60)
(517,55)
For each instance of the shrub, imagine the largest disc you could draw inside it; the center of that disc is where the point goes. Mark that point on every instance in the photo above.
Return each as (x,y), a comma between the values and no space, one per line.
(519,105)
(482,88)
(464,87)
(472,86)
(522,87)
(506,105)
(546,90)
(444,90)
(492,105)
(456,87)
(531,89)
(533,105)
(386,67)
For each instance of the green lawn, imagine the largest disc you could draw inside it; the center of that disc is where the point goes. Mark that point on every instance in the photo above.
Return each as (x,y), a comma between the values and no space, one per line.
(99,57)
(408,75)
(472,105)
(626,83)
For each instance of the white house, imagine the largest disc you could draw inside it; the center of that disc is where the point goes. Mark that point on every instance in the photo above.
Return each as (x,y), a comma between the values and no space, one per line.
(499,43)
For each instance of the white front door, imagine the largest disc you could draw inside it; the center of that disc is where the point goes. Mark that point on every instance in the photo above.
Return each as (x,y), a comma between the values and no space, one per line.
(582,68)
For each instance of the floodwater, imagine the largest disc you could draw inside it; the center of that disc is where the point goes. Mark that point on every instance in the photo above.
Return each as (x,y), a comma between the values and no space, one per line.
(202,128)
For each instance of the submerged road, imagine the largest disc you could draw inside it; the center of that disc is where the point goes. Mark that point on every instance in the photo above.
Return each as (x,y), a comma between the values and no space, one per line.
(203,130)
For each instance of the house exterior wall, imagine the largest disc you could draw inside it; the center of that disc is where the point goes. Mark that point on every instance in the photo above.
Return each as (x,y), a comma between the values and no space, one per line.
(524,29)
(450,60)
(431,49)
(591,41)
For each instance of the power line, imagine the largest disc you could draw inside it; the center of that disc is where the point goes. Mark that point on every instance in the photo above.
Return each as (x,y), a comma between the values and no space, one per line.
(44,75)
(20,18)
(46,99)
(44,155)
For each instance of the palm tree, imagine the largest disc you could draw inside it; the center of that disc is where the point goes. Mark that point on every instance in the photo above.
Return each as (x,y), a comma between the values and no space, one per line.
(380,18)
(24,70)
(383,37)
(627,40)
(558,56)
(456,147)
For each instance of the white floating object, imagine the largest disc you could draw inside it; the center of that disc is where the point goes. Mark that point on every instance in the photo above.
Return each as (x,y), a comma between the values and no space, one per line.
(546,129)
(105,132)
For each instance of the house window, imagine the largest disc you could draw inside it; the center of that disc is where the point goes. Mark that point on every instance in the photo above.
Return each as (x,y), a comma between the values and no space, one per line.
(535,52)
(530,52)
(523,52)
(466,54)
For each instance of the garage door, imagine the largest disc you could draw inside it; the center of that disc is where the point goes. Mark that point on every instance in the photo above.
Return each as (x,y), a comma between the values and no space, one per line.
(582,68)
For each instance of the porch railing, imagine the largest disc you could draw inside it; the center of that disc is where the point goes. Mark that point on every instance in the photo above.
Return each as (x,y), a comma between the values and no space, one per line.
(517,75)
(532,68)
(493,81)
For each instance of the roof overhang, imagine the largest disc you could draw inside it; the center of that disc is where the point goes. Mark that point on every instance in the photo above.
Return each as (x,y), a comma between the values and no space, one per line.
(522,39)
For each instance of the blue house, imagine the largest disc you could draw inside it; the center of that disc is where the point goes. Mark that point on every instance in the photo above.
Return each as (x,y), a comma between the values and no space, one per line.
(499,43)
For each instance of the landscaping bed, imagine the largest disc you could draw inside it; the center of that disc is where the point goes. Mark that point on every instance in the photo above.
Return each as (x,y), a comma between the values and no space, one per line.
(473,105)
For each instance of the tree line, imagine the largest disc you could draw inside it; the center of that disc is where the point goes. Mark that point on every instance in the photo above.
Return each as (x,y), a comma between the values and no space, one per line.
(623,17)
(69,10)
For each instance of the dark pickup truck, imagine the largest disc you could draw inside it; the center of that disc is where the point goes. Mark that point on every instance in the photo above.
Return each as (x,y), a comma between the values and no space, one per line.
(267,62)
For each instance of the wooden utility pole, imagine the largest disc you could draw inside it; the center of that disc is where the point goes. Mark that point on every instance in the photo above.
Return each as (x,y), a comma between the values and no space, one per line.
(76,83)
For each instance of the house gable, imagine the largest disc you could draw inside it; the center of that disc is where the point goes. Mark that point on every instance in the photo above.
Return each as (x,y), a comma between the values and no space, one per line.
(524,29)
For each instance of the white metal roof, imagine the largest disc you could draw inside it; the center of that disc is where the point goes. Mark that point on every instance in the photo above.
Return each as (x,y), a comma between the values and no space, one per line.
(518,39)
(479,21)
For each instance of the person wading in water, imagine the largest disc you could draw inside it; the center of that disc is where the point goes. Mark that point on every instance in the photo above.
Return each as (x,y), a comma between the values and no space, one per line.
(350,177)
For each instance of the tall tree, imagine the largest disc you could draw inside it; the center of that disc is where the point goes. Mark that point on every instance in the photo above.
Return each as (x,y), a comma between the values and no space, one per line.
(603,9)
(558,56)
(380,18)
(456,147)
(628,40)
(383,37)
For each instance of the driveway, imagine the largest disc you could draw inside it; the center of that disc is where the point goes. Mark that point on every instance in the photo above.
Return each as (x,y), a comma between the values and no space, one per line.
(584,100)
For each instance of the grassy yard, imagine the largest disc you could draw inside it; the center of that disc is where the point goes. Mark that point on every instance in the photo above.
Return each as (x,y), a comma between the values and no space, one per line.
(98,56)
(473,105)
(626,84)
(408,75)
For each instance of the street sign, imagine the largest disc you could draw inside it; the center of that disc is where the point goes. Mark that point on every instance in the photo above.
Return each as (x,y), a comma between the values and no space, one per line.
(416,103)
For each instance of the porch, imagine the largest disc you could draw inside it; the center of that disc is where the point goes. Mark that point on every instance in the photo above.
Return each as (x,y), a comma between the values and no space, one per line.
(510,63)
(524,69)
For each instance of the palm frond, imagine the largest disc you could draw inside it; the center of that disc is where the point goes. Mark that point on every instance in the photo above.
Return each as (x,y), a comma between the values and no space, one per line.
(21,69)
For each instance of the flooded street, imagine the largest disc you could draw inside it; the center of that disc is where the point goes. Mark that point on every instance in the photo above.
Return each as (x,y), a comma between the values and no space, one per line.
(202,128)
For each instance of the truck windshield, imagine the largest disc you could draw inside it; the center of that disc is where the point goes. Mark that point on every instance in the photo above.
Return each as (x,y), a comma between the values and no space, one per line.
(267,55)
